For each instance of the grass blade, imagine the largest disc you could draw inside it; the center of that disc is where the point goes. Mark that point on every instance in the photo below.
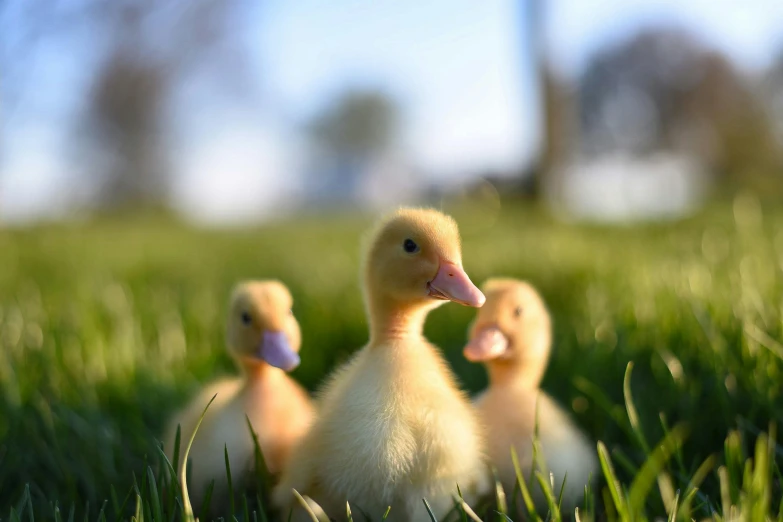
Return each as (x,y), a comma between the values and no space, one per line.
(500,494)
(230,482)
(673,511)
(546,487)
(175,454)
(467,511)
(644,480)
(206,502)
(157,509)
(562,490)
(615,490)
(633,415)
(693,486)
(429,511)
(460,500)
(528,500)
(139,511)
(188,509)
(315,517)
(102,512)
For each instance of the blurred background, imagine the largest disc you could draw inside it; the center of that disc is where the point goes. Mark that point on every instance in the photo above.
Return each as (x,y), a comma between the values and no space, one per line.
(224,112)
(625,157)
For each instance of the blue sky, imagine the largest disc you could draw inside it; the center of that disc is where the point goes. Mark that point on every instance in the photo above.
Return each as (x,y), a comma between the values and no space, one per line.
(459,69)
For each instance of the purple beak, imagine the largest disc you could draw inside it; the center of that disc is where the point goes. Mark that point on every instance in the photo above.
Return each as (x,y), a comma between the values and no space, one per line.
(276,351)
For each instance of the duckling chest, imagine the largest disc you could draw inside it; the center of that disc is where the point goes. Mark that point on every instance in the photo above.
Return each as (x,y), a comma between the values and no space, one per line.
(399,419)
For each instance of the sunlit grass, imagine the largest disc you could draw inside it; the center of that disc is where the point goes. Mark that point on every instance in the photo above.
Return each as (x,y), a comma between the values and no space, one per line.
(106,328)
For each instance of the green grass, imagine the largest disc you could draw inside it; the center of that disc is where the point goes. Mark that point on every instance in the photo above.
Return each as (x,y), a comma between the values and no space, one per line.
(106,328)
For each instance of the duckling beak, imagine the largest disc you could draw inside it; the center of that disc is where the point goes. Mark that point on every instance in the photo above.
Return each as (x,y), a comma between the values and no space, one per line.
(451,283)
(489,343)
(276,351)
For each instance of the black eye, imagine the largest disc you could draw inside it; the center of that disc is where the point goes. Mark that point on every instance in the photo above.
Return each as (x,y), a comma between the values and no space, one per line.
(246,318)
(410,246)
(518,312)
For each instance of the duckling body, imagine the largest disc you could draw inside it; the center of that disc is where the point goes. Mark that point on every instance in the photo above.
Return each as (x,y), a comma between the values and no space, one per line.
(279,410)
(393,427)
(512,336)
(509,415)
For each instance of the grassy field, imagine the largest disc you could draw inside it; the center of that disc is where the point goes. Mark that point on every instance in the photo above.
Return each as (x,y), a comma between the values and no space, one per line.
(106,328)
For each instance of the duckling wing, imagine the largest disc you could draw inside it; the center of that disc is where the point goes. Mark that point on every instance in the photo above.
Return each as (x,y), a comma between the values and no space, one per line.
(566,449)
(188,417)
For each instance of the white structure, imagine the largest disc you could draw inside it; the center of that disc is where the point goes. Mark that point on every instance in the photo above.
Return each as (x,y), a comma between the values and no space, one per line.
(623,187)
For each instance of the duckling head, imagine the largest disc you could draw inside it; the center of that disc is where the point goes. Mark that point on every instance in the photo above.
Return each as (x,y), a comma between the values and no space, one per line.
(262,329)
(512,332)
(414,262)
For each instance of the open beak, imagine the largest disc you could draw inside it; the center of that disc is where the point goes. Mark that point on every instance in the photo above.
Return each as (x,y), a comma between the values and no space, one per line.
(276,351)
(489,343)
(453,284)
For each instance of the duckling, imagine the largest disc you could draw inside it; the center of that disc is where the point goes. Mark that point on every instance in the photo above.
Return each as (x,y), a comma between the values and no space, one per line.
(393,427)
(264,338)
(512,335)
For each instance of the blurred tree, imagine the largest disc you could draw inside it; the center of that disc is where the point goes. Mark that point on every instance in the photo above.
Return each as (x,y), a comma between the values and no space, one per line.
(150,49)
(154,47)
(773,92)
(557,104)
(349,137)
(123,120)
(360,124)
(665,90)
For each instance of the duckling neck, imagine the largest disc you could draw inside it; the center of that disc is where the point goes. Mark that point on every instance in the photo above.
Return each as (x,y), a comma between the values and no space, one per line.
(255,371)
(518,375)
(396,322)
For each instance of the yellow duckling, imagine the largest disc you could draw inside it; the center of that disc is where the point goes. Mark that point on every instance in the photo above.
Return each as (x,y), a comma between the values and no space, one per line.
(264,338)
(393,427)
(512,335)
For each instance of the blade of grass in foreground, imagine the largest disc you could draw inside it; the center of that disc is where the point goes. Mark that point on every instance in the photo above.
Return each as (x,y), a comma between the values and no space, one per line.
(172,480)
(644,480)
(531,509)
(673,511)
(429,511)
(562,490)
(693,486)
(467,511)
(500,494)
(230,482)
(319,517)
(615,490)
(206,503)
(633,415)
(263,475)
(546,487)
(157,509)
(187,507)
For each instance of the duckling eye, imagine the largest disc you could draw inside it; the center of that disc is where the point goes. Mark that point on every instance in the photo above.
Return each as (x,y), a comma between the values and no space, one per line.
(246,319)
(410,246)
(518,311)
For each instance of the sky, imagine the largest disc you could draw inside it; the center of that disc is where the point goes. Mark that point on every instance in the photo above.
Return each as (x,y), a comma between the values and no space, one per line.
(460,70)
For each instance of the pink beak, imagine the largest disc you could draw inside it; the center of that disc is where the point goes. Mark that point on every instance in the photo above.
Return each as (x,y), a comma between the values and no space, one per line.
(453,284)
(489,343)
